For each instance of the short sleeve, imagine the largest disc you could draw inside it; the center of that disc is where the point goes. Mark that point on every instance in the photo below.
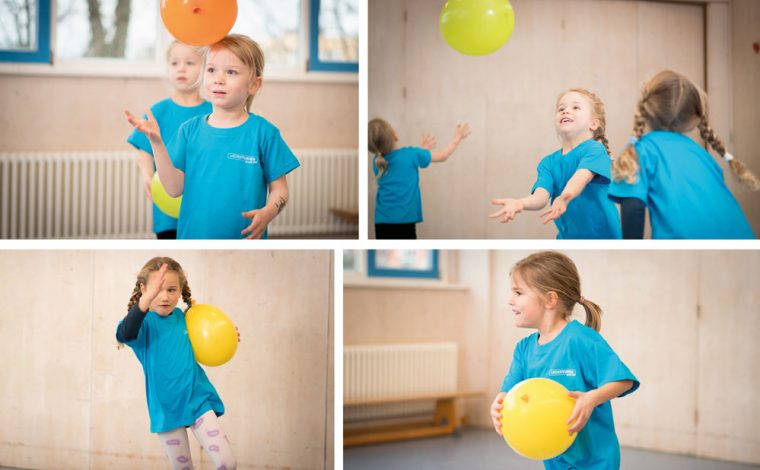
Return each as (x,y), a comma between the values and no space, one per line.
(598,162)
(638,189)
(545,179)
(516,372)
(276,158)
(178,148)
(607,367)
(424,157)
(139,141)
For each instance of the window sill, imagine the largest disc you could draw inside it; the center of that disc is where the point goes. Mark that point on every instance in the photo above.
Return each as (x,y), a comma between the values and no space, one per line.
(416,284)
(118,69)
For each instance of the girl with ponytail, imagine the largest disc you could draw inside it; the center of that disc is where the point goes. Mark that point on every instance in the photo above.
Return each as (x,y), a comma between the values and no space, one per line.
(664,170)
(579,172)
(398,206)
(545,288)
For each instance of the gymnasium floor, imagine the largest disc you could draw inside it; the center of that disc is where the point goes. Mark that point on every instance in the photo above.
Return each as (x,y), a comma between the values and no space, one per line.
(481,449)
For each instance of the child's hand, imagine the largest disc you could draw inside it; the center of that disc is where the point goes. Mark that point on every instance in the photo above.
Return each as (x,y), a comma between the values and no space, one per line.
(148,127)
(428,141)
(496,407)
(238,333)
(584,406)
(260,218)
(558,207)
(463,130)
(153,289)
(511,208)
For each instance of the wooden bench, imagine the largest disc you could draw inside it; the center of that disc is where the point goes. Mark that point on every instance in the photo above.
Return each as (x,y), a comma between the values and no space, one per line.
(446,420)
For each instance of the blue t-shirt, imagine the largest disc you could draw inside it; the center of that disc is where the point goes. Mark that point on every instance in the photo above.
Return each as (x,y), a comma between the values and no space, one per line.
(590,214)
(398,190)
(683,187)
(169,116)
(581,360)
(176,387)
(227,172)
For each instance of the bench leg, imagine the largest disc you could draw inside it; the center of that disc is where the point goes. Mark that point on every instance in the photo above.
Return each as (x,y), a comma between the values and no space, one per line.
(446,414)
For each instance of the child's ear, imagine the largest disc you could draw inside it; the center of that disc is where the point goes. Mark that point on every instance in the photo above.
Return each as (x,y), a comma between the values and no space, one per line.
(255,86)
(594,124)
(551,300)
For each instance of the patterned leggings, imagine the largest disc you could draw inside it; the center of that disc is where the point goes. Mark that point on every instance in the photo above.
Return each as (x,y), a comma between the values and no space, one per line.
(210,435)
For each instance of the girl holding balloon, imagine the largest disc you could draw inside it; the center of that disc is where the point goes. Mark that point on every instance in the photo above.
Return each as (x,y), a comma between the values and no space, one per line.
(178,391)
(230,166)
(184,66)
(545,288)
(576,177)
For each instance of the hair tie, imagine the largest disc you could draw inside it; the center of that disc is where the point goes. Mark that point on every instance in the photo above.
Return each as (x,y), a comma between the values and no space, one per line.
(581,300)
(632,140)
(728,157)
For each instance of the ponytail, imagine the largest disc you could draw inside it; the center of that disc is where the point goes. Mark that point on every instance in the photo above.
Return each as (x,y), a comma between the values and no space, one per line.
(593,314)
(626,166)
(740,171)
(381,140)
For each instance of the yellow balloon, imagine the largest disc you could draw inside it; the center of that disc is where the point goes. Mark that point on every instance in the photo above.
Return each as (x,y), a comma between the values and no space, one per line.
(477,27)
(212,334)
(168,205)
(534,418)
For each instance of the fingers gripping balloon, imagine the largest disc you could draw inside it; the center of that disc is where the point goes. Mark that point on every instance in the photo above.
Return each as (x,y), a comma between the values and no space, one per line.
(477,27)
(199,22)
(534,418)
(212,334)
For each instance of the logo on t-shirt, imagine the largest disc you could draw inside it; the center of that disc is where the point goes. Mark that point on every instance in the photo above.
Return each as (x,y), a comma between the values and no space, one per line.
(243,158)
(565,372)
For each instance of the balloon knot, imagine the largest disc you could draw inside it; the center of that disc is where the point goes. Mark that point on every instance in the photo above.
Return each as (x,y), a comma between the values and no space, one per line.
(196,10)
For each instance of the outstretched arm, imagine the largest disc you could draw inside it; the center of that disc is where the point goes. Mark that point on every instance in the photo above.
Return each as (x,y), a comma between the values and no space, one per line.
(463,130)
(585,402)
(260,218)
(172,178)
(512,207)
(573,188)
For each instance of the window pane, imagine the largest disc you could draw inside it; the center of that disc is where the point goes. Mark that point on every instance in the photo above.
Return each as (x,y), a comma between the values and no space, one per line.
(274,25)
(339,31)
(18,25)
(410,260)
(132,36)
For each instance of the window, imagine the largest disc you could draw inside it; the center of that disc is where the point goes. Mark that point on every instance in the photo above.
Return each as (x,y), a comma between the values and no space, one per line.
(334,35)
(403,263)
(25,31)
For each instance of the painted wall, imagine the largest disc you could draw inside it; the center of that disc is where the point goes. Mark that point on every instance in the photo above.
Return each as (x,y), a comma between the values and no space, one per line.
(419,84)
(69,399)
(45,113)
(683,321)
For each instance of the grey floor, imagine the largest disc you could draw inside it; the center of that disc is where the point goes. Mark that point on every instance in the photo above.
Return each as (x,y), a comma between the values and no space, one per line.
(481,449)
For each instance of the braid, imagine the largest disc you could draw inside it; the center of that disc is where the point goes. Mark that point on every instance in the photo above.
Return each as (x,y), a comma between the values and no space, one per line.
(603,139)
(186,297)
(626,166)
(738,168)
(136,294)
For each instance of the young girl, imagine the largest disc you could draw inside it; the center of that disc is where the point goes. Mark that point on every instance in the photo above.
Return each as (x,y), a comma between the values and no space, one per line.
(669,173)
(545,287)
(179,393)
(579,171)
(184,66)
(398,206)
(223,163)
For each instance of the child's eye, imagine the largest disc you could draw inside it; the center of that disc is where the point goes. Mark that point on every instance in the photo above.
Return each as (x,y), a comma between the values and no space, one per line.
(210,70)
(232,72)
(190,62)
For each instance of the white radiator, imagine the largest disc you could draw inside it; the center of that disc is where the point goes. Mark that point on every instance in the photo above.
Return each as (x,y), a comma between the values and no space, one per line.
(100,195)
(393,371)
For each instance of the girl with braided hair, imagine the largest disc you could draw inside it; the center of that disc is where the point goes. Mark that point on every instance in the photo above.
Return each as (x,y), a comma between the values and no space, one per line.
(576,177)
(178,392)
(666,171)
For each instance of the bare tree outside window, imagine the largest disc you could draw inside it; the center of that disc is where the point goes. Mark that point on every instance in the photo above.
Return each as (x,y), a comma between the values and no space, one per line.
(339,31)
(18,25)
(275,25)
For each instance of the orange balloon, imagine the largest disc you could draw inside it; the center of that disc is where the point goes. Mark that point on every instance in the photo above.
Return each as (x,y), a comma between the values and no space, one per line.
(199,22)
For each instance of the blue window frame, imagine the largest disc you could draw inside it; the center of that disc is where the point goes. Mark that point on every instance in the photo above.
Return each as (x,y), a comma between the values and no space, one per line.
(420,264)
(316,63)
(41,27)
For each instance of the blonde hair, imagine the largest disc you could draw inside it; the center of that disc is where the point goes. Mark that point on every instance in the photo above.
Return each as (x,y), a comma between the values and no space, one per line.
(672,102)
(551,271)
(152,266)
(597,111)
(201,51)
(248,51)
(382,141)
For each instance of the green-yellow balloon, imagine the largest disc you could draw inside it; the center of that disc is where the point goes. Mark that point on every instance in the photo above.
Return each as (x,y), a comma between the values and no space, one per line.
(168,205)
(477,27)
